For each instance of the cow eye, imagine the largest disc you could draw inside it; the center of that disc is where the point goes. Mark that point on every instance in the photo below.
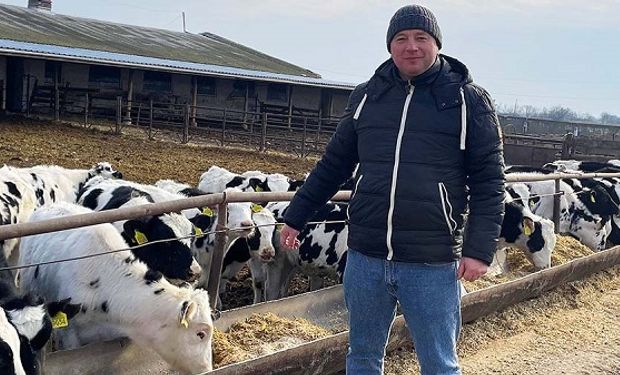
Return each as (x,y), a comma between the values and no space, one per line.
(201,335)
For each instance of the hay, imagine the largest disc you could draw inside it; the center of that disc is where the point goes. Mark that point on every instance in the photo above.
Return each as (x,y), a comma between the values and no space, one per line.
(566,249)
(261,334)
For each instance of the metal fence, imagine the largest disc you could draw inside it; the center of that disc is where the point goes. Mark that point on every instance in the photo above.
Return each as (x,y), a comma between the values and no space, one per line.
(301,135)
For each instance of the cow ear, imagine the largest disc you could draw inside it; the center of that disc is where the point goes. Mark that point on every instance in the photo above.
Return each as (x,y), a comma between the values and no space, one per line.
(70,309)
(528,226)
(188,310)
(133,232)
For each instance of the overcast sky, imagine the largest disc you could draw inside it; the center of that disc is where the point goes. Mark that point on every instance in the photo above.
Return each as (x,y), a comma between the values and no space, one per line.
(538,52)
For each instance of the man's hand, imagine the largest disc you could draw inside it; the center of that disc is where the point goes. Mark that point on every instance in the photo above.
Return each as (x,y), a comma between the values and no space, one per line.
(288,238)
(471,269)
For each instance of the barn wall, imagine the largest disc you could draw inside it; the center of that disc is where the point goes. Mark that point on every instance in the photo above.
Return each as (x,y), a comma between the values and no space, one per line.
(339,102)
(307,97)
(75,74)
(2,83)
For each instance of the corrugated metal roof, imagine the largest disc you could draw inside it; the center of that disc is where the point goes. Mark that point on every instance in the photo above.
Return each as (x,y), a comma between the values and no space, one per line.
(46,32)
(12,47)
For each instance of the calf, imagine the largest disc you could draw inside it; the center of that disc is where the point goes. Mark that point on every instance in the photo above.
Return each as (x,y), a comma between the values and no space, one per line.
(52,183)
(532,234)
(174,258)
(239,221)
(582,214)
(323,249)
(253,251)
(17,203)
(120,295)
(25,326)
(217,179)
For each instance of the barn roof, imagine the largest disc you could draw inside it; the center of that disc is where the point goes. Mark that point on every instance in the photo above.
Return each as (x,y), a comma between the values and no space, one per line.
(34,32)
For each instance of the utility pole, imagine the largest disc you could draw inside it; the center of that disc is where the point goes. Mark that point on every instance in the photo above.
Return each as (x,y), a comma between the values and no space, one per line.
(184,29)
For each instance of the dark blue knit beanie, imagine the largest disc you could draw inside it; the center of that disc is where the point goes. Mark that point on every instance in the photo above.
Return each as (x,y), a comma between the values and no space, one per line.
(413,17)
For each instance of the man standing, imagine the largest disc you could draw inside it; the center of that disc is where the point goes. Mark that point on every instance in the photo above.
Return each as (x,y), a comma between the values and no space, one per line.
(427,206)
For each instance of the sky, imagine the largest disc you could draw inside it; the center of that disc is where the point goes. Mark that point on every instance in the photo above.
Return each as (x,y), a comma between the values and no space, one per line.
(542,53)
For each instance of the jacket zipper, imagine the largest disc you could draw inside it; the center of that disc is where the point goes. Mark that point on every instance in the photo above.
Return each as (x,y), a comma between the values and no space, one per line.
(357,184)
(447,207)
(399,140)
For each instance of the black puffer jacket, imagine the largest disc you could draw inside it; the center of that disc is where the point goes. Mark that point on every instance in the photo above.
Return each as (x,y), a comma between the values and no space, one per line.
(425,159)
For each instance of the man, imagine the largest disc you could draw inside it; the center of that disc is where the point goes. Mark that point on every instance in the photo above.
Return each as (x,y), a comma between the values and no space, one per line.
(429,149)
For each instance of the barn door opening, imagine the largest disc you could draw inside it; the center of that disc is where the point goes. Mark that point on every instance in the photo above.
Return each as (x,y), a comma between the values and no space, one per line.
(15,84)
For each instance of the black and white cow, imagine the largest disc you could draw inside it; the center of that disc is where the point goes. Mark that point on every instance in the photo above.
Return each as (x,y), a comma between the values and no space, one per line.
(584,213)
(120,295)
(253,251)
(17,203)
(240,222)
(217,179)
(52,183)
(522,229)
(25,326)
(585,166)
(322,250)
(174,259)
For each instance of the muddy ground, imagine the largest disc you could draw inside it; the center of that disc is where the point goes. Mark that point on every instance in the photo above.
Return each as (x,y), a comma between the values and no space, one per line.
(567,331)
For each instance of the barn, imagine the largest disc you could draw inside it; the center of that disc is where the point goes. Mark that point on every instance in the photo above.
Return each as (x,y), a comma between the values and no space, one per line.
(58,65)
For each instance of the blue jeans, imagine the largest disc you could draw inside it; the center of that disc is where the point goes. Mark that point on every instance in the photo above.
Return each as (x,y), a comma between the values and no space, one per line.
(429,297)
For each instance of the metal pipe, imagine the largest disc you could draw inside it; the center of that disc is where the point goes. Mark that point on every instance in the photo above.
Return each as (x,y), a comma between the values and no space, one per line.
(533,177)
(217,261)
(83,220)
(556,206)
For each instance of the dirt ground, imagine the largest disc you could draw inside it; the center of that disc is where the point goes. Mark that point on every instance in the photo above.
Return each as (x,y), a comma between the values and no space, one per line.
(574,330)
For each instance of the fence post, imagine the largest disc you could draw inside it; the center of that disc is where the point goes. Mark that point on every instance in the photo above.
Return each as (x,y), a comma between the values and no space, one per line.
(223,127)
(119,114)
(151,118)
(263,132)
(28,95)
(186,123)
(217,261)
(86,109)
(556,206)
(56,101)
(303,139)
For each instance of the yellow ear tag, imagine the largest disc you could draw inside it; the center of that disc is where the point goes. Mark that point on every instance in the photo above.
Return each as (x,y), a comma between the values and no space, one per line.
(140,237)
(60,320)
(207,212)
(592,198)
(258,189)
(527,230)
(185,323)
(199,232)
(256,207)
(532,205)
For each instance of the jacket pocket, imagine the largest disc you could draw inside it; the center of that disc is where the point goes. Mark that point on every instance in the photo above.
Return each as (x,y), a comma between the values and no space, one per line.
(446,206)
(357,184)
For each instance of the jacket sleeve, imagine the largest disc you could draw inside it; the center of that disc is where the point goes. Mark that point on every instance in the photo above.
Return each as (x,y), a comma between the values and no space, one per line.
(334,168)
(484,163)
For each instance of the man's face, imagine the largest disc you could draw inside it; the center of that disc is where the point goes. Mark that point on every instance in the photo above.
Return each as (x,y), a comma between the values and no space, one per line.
(413,52)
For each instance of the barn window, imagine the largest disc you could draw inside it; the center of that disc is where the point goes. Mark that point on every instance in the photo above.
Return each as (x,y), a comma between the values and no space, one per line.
(50,69)
(239,88)
(157,82)
(207,86)
(277,92)
(104,76)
